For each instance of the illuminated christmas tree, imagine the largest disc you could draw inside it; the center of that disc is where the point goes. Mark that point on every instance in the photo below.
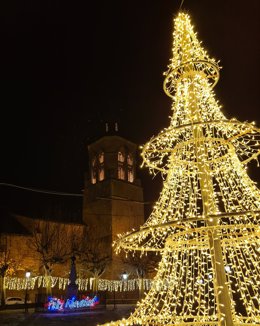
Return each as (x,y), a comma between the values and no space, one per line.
(206,220)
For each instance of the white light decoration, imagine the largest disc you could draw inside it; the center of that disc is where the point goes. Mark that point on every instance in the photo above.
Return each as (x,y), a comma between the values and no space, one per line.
(227,269)
(206,220)
(18,284)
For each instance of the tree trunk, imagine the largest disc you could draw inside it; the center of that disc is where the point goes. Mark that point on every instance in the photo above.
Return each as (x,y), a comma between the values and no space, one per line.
(141,288)
(2,290)
(95,285)
(47,278)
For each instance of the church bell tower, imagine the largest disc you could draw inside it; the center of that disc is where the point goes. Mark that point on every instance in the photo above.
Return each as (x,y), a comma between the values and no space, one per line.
(113,196)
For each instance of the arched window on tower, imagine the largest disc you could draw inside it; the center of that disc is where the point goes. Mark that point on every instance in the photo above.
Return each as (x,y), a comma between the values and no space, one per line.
(121,167)
(94,170)
(101,172)
(130,168)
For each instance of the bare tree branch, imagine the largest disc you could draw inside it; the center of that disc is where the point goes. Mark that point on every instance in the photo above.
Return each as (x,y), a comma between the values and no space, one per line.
(143,265)
(52,241)
(93,254)
(8,264)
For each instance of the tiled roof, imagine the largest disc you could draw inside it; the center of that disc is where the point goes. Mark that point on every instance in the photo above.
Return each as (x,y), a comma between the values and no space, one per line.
(9,224)
(43,206)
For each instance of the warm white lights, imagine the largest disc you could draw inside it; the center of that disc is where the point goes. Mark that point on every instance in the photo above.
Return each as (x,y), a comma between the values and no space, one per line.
(206,220)
(227,269)
(84,284)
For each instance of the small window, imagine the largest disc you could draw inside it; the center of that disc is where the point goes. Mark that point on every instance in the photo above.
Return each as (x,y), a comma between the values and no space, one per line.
(130,176)
(121,157)
(101,158)
(130,168)
(101,173)
(121,166)
(94,170)
(129,159)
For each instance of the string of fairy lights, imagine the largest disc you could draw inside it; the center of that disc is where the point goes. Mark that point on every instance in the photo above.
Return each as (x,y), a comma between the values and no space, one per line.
(206,220)
(88,284)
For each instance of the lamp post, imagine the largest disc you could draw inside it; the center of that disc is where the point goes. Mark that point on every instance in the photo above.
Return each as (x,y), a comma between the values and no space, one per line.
(114,297)
(124,278)
(27,275)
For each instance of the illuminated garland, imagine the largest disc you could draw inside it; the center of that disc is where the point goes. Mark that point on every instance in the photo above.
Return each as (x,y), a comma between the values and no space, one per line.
(206,220)
(16,283)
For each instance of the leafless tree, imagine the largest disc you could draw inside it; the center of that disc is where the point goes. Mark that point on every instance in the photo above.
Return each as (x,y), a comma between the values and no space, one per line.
(93,255)
(142,265)
(52,241)
(8,265)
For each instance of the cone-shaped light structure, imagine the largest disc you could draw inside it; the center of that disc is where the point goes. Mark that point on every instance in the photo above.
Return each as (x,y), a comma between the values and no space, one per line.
(206,220)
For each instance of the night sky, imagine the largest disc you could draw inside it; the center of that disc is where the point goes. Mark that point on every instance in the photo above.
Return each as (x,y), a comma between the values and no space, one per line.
(68,67)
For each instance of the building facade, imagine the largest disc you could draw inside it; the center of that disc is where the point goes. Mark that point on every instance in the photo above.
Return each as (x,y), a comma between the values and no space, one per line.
(113,196)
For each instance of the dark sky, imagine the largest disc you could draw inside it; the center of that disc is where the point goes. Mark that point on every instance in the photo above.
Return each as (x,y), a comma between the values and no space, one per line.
(67,67)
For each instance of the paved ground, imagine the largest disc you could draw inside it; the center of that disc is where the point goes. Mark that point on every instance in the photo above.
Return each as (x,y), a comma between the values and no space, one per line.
(89,318)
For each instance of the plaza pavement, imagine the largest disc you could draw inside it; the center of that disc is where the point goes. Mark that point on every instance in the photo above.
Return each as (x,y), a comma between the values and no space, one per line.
(87,318)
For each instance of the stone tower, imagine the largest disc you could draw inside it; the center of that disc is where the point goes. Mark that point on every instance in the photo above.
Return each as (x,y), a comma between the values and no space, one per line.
(113,197)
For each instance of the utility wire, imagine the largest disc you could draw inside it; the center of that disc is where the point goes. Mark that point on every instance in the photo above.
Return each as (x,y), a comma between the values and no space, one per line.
(44,191)
(58,193)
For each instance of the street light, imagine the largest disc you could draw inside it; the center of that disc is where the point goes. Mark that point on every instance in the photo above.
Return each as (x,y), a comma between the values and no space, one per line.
(125,276)
(27,275)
